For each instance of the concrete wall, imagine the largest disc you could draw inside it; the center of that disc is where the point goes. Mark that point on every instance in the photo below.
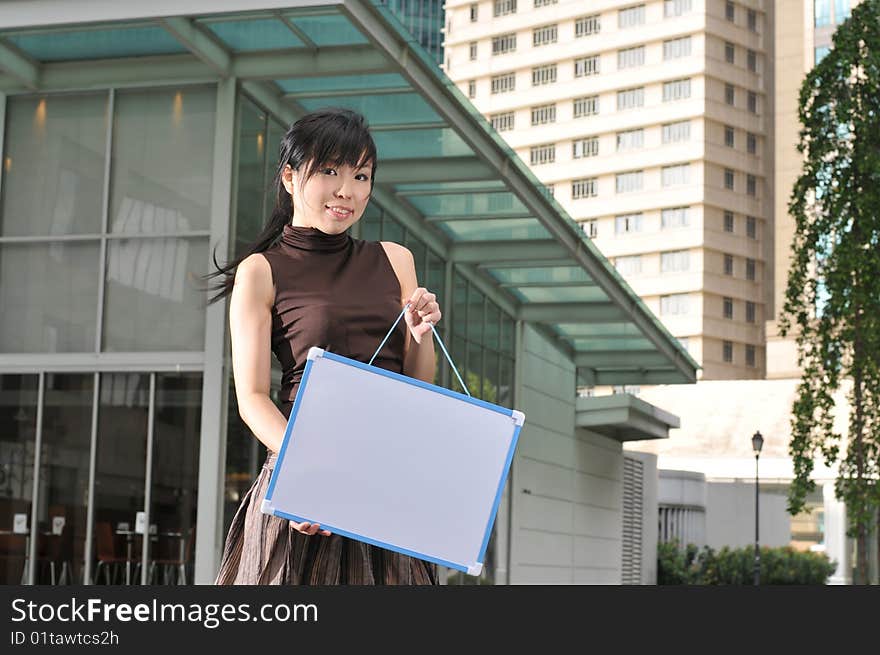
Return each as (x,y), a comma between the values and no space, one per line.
(730,516)
(566,485)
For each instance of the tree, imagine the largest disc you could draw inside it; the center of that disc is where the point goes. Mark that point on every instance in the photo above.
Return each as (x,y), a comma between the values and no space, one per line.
(832,299)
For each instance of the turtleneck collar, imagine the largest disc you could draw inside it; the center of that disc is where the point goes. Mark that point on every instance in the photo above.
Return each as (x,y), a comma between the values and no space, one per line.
(311,238)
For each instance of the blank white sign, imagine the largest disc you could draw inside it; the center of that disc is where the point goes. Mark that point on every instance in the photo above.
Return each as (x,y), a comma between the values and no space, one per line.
(393,461)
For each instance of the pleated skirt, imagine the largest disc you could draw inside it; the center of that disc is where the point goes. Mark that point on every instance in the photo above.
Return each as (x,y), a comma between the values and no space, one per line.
(262,549)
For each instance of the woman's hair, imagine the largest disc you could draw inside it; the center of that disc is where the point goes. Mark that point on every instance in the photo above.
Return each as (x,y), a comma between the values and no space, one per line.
(327,136)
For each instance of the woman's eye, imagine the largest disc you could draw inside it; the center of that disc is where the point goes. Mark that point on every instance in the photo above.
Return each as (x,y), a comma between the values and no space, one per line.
(329,171)
(362,177)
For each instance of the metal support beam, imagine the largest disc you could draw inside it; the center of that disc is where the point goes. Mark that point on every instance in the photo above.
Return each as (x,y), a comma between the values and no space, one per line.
(575,312)
(199,43)
(212,440)
(521,251)
(621,359)
(329,60)
(437,169)
(479,217)
(19,67)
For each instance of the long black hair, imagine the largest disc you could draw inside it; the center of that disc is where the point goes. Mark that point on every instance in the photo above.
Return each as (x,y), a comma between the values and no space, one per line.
(333,136)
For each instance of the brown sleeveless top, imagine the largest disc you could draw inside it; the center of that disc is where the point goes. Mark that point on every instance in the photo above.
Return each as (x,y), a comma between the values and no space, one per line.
(335,292)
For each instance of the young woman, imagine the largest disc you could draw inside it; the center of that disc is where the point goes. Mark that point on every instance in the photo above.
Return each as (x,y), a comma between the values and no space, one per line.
(305,282)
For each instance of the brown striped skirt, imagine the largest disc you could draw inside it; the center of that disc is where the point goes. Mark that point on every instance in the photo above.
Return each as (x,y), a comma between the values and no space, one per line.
(264,549)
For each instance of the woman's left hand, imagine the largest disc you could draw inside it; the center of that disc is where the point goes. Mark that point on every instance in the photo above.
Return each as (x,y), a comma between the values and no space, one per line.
(423,312)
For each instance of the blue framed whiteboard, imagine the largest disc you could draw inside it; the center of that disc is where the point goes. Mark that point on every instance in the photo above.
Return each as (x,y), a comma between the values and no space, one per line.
(393,461)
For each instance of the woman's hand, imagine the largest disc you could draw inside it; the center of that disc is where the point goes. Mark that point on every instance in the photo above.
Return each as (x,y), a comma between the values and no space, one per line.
(309,529)
(423,312)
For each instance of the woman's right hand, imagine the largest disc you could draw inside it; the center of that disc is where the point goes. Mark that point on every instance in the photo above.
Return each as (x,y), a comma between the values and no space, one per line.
(309,529)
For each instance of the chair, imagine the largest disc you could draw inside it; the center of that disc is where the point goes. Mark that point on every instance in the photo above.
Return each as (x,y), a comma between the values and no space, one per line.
(174,564)
(13,552)
(56,550)
(108,560)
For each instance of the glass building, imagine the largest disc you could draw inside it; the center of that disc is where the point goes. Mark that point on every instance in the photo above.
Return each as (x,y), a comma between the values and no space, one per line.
(135,149)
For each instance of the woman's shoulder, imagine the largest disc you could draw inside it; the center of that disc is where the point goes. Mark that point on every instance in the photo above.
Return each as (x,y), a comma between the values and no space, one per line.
(256,272)
(396,252)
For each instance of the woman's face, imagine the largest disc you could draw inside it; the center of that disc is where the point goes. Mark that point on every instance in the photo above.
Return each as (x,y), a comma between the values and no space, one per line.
(332,200)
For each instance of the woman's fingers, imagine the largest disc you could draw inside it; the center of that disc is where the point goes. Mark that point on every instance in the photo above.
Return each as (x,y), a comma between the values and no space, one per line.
(309,529)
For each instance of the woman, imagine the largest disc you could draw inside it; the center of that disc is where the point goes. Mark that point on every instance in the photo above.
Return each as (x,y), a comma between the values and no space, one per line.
(305,282)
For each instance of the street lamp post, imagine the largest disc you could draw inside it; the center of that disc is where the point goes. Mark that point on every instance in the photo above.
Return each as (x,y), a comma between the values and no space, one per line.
(757,444)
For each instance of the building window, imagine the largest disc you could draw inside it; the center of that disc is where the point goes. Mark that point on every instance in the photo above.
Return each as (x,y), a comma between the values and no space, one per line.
(728,221)
(729,11)
(503,122)
(673,217)
(630,139)
(751,227)
(544,35)
(503,83)
(584,188)
(472,89)
(820,52)
(728,179)
(728,136)
(631,265)
(544,74)
(753,102)
(631,57)
(629,182)
(728,308)
(504,7)
(503,44)
(543,154)
(822,12)
(751,185)
(675,48)
(545,3)
(631,17)
(473,50)
(684,342)
(586,26)
(750,311)
(752,61)
(674,261)
(550,189)
(586,66)
(590,228)
(586,106)
(631,98)
(675,132)
(675,175)
(626,223)
(543,114)
(676,90)
(675,304)
(750,355)
(588,147)
(672,8)
(750,269)
(729,95)
(474,12)
(728,264)
(751,143)
(752,20)
(729,52)
(727,351)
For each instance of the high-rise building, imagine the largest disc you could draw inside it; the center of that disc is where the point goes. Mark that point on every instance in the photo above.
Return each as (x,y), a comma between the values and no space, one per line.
(650,123)
(801,40)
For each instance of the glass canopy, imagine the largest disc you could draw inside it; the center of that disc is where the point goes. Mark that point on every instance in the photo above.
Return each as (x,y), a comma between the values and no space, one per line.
(442,166)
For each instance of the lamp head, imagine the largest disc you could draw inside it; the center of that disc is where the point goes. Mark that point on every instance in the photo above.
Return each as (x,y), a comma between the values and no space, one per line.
(757,443)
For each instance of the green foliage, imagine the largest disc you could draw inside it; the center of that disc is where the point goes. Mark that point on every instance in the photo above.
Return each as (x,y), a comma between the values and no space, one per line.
(832,300)
(736,566)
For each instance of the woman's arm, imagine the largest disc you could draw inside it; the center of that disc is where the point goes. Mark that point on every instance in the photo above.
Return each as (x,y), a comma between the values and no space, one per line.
(250,327)
(418,360)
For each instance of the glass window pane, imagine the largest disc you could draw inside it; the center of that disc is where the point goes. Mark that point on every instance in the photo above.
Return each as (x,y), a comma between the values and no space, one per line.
(124,401)
(249,35)
(474,379)
(493,326)
(53,165)
(163,150)
(475,316)
(419,251)
(175,476)
(459,311)
(459,356)
(18,429)
(49,296)
(64,477)
(507,338)
(391,229)
(490,376)
(244,456)
(251,167)
(371,224)
(148,278)
(505,382)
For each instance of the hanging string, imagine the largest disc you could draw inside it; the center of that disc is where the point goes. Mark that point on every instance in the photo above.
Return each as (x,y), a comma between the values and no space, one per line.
(439,340)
